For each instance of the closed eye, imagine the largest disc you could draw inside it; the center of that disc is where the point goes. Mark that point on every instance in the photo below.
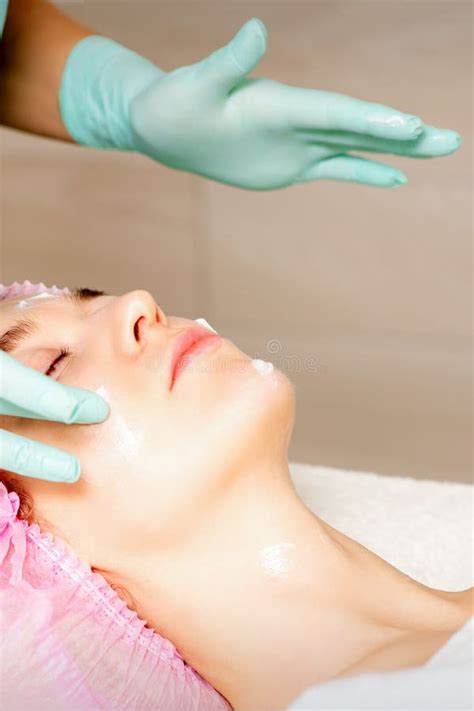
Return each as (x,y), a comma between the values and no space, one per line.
(53,365)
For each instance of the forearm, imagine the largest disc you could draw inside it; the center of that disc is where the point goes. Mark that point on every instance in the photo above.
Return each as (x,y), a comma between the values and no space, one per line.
(36,43)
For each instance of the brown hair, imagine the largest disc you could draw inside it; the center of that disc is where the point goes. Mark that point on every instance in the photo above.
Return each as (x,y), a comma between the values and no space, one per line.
(26,510)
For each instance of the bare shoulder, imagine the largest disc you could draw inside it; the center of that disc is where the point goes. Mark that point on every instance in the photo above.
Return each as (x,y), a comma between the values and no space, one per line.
(466,603)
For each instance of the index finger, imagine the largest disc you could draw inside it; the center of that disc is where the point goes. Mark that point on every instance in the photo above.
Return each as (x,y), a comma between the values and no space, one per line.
(25,392)
(313,109)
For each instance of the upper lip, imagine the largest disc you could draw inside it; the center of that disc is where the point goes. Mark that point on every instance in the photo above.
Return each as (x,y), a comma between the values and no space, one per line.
(183,342)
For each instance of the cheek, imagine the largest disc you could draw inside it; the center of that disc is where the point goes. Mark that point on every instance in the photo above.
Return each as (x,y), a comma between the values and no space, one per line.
(160,461)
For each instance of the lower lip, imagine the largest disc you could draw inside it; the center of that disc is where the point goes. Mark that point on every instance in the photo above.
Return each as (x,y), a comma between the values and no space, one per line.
(192,353)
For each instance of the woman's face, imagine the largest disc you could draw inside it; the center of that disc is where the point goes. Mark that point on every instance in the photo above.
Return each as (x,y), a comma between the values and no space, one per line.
(168,449)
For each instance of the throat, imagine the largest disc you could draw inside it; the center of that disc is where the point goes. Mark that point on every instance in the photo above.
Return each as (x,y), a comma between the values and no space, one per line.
(280,595)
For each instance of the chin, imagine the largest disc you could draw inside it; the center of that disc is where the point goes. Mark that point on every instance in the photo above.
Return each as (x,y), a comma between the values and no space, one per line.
(259,416)
(278,401)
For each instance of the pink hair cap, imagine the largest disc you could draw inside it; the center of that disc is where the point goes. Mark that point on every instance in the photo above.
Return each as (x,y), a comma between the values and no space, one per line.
(26,288)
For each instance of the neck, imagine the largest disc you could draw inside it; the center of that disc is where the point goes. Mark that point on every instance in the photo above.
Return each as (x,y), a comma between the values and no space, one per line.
(262,589)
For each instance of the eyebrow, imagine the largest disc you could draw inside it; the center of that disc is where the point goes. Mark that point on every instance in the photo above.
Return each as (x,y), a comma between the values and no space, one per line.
(23,328)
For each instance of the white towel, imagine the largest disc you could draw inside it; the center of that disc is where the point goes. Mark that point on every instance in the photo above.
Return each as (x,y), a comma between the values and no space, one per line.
(424,528)
(444,683)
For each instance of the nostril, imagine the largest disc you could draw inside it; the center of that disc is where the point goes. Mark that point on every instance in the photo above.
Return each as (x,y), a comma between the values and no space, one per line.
(136,329)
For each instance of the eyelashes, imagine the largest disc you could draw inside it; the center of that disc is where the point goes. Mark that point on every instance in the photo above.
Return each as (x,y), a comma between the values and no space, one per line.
(64,353)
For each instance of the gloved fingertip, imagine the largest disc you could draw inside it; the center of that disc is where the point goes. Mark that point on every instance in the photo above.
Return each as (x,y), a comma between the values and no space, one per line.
(248,45)
(261,26)
(62,468)
(395,181)
(92,409)
(400,179)
(73,478)
(73,473)
(391,179)
(457,139)
(448,140)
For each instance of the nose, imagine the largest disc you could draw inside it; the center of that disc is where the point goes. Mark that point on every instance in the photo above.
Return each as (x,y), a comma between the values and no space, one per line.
(137,312)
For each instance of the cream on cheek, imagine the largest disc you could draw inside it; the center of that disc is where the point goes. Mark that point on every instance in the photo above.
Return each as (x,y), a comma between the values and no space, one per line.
(124,438)
(114,440)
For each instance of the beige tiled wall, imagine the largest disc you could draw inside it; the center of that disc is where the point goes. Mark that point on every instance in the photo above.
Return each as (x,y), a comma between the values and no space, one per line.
(362,295)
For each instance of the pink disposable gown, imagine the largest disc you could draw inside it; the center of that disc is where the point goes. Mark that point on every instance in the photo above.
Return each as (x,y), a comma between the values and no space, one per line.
(68,642)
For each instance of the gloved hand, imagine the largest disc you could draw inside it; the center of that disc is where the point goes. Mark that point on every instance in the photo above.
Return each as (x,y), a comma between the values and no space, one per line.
(25,392)
(209,119)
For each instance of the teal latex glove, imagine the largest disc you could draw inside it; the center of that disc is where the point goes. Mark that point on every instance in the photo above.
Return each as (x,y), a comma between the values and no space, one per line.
(208,118)
(25,392)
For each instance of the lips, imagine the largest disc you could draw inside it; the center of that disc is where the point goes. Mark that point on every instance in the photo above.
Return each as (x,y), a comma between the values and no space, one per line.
(187,346)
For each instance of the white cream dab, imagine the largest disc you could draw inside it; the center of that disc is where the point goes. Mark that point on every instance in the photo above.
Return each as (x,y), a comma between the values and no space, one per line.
(262,366)
(102,391)
(125,439)
(28,302)
(276,559)
(203,322)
